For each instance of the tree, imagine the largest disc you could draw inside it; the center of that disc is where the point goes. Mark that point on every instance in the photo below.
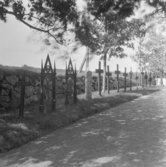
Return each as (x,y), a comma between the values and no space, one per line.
(51,17)
(105,34)
(152,46)
(109,31)
(56,17)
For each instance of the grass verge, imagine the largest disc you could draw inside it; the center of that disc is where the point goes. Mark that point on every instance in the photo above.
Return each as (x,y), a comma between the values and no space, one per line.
(15,132)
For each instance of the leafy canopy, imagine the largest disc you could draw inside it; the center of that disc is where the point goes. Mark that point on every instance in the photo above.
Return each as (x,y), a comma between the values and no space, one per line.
(105,29)
(152,46)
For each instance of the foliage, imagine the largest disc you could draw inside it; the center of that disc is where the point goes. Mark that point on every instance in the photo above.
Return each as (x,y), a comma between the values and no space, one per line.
(159,5)
(120,8)
(57,17)
(152,47)
(51,17)
(105,29)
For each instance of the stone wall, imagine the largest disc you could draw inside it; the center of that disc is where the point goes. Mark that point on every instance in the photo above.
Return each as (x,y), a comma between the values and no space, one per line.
(10,94)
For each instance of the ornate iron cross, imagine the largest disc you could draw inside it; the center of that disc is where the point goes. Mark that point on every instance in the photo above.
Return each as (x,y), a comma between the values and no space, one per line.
(71,73)
(47,67)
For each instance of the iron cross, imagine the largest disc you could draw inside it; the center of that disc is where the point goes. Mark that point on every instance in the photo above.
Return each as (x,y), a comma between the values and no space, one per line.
(117,72)
(22,84)
(142,73)
(99,71)
(125,75)
(137,79)
(146,78)
(131,73)
(108,74)
(150,79)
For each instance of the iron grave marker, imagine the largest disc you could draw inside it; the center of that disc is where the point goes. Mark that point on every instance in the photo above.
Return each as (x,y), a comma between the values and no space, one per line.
(47,72)
(131,74)
(71,74)
(99,71)
(136,78)
(117,72)
(142,73)
(150,79)
(146,78)
(125,75)
(22,84)
(108,74)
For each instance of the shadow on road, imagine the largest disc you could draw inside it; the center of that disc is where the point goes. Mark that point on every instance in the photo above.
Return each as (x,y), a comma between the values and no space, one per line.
(130,135)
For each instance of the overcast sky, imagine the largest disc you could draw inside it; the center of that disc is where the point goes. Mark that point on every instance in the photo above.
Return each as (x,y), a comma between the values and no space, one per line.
(20,45)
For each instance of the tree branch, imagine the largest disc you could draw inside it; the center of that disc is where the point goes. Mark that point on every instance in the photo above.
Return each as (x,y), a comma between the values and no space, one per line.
(35,28)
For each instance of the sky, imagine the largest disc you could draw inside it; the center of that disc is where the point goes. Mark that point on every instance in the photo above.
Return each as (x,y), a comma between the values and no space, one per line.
(20,45)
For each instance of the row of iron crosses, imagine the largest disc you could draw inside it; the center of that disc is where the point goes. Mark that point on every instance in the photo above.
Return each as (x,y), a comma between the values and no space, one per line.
(48,72)
(125,74)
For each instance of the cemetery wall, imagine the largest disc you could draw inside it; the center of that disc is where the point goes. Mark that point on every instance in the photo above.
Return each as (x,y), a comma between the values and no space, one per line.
(10,94)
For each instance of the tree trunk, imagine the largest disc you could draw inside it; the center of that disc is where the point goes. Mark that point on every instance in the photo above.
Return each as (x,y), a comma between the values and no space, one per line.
(87,59)
(105,57)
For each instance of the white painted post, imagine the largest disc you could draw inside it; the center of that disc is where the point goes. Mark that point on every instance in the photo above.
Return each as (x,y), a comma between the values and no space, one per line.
(88,85)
